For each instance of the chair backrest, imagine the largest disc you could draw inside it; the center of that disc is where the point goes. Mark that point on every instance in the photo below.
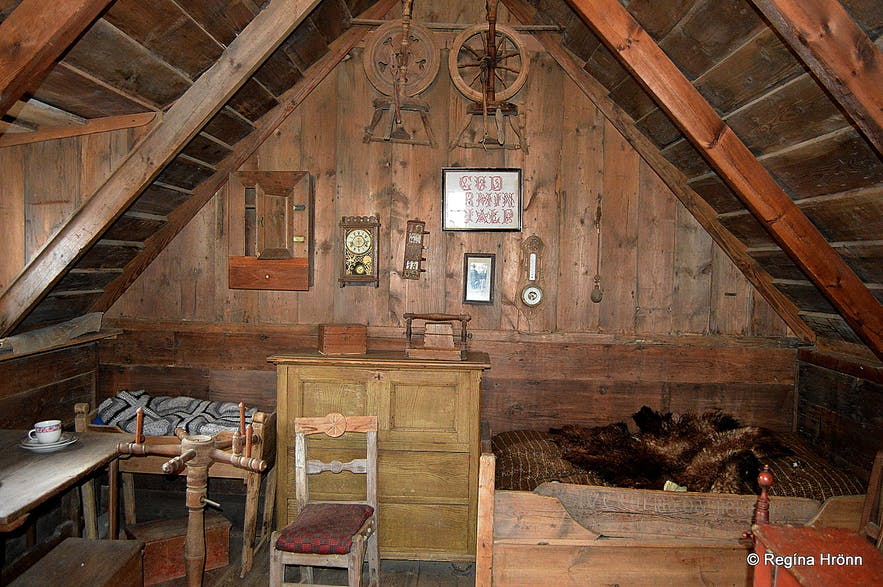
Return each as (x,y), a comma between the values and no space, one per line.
(872,512)
(335,426)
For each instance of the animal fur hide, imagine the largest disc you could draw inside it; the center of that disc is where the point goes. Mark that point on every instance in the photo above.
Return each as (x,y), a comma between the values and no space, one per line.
(710,452)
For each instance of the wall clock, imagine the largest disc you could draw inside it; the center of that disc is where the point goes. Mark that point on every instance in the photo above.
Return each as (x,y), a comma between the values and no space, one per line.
(361,250)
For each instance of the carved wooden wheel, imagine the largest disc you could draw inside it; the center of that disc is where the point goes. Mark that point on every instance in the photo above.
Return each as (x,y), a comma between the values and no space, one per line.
(381,59)
(336,425)
(469,62)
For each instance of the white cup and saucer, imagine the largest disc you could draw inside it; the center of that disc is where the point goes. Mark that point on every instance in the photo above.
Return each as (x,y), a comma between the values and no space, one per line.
(47,436)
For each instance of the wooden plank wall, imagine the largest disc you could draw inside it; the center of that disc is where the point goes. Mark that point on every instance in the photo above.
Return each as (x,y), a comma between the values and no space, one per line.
(678,327)
(43,184)
(840,408)
(45,386)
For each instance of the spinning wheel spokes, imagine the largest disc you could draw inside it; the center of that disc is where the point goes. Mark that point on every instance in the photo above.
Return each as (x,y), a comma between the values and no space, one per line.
(469,51)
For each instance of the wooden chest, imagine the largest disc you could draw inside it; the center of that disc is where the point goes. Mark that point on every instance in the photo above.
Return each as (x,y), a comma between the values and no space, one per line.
(427,443)
(79,562)
(164,545)
(343,339)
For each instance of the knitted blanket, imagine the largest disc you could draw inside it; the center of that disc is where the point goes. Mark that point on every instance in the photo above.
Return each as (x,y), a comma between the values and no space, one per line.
(162,415)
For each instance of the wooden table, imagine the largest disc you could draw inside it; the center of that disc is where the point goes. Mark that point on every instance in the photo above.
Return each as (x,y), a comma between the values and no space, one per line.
(27,479)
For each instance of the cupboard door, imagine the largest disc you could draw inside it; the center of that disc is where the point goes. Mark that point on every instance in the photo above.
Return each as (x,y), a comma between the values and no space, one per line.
(320,391)
(426,410)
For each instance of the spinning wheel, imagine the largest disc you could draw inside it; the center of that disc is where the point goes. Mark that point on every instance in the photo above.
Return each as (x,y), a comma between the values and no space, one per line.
(382,57)
(476,63)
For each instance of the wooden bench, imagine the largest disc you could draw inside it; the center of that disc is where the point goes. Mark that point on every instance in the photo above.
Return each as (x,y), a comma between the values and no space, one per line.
(80,562)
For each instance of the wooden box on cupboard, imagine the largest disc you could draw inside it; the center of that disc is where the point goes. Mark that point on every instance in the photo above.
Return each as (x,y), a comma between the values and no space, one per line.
(428,443)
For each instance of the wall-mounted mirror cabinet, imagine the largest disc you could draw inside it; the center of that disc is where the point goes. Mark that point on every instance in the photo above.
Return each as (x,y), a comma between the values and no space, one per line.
(270,230)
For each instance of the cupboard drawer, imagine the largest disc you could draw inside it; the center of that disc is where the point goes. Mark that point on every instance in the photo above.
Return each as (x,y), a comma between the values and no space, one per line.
(408,530)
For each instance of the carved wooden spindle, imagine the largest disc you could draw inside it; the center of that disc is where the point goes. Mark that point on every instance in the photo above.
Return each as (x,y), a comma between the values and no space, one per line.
(249,431)
(139,426)
(761,513)
(240,432)
(762,506)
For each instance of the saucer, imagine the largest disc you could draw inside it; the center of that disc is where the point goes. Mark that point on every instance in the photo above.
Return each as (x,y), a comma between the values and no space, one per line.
(31,444)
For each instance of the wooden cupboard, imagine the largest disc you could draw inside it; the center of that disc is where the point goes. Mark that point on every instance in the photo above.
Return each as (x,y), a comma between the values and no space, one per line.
(428,443)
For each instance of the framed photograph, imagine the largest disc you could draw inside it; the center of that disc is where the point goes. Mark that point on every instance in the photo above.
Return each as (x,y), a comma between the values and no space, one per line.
(481,199)
(478,278)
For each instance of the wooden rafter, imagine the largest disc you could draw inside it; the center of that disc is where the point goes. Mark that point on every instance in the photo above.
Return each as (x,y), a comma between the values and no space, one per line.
(92,126)
(264,128)
(839,53)
(673,178)
(735,163)
(180,124)
(33,37)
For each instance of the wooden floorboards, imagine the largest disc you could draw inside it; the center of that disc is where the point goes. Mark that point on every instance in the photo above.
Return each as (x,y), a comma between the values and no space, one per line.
(394,573)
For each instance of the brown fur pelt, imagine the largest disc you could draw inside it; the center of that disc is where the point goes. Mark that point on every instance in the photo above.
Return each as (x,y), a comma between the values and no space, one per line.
(710,452)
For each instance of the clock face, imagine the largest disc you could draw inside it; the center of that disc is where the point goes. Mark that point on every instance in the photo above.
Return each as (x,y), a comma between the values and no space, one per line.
(358,241)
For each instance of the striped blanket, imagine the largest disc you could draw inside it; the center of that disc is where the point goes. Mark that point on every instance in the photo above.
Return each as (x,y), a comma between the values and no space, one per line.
(162,415)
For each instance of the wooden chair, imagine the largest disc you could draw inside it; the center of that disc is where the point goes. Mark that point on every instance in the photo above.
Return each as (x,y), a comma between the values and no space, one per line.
(871,524)
(330,534)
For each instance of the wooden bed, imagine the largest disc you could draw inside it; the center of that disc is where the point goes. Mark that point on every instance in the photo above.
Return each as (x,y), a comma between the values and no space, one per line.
(564,534)
(263,447)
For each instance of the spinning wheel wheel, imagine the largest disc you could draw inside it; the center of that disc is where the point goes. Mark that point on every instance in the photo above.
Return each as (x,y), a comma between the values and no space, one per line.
(472,58)
(381,59)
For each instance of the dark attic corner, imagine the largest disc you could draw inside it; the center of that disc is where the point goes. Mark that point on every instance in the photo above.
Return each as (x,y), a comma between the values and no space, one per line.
(541,270)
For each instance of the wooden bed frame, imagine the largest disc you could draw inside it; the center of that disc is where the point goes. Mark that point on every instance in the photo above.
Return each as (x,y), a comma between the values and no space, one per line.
(627,536)
(263,447)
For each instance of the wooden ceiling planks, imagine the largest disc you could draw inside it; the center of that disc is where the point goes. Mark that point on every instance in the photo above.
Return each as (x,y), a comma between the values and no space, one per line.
(743,172)
(708,33)
(166,30)
(222,19)
(112,56)
(761,63)
(839,53)
(77,92)
(180,124)
(32,38)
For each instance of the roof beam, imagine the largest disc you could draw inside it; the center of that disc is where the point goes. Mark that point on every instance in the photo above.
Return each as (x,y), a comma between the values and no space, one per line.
(288,103)
(673,178)
(91,126)
(32,38)
(180,124)
(838,52)
(737,166)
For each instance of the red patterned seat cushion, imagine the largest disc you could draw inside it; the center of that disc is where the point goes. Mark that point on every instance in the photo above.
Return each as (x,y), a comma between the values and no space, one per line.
(324,528)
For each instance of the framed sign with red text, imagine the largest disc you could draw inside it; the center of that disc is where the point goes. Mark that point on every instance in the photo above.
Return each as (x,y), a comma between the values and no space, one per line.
(481,199)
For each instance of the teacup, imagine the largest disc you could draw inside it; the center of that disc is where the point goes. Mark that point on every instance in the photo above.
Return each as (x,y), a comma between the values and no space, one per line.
(46,432)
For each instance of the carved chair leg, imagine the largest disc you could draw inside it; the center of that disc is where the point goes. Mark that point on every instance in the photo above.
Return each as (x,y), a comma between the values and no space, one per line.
(277,569)
(354,562)
(306,575)
(374,559)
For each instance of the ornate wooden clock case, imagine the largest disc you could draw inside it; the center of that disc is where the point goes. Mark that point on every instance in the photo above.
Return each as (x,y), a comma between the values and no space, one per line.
(361,250)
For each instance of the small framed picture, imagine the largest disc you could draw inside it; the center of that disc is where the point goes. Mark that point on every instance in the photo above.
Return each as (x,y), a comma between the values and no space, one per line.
(478,278)
(481,199)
